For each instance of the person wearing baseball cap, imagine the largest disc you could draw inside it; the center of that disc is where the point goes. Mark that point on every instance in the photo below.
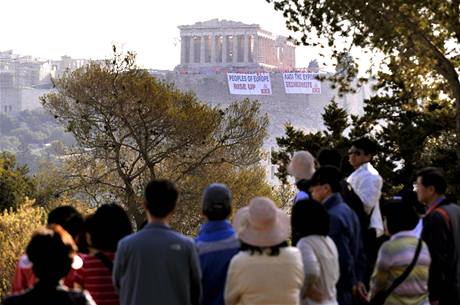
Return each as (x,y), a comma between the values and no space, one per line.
(345,232)
(216,242)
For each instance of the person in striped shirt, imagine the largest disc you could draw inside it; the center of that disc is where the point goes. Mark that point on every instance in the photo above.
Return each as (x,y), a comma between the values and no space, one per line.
(105,228)
(396,254)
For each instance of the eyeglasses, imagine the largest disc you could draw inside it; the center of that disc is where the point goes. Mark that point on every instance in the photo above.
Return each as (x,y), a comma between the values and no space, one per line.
(355,152)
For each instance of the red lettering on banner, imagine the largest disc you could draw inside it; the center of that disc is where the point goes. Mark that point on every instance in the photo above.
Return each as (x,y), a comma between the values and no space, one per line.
(239,86)
(265,91)
(251,86)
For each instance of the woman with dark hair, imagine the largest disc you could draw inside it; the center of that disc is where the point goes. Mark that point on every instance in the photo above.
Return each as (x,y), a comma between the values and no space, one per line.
(70,220)
(52,252)
(266,270)
(396,254)
(310,221)
(104,228)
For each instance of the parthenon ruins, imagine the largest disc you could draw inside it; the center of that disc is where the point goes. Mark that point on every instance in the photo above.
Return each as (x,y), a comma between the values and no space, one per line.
(226,43)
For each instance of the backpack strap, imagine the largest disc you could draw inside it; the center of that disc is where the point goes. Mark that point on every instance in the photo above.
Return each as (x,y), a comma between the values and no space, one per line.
(444,215)
(381,296)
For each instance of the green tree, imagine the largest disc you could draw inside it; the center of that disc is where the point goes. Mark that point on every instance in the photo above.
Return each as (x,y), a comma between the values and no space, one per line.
(336,121)
(403,126)
(131,128)
(410,135)
(15,185)
(419,37)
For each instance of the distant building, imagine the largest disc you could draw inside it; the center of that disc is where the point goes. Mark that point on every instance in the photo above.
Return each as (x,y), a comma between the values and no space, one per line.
(24,79)
(223,43)
(10,93)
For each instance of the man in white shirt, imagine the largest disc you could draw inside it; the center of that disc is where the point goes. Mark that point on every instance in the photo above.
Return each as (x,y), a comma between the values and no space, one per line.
(367,185)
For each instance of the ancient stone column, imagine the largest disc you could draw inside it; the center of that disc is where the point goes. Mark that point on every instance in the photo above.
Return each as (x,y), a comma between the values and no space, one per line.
(224,49)
(235,48)
(183,50)
(246,49)
(263,47)
(192,50)
(213,48)
(202,49)
(255,54)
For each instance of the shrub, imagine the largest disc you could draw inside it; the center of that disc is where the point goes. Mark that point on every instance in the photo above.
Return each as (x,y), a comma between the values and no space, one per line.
(16,228)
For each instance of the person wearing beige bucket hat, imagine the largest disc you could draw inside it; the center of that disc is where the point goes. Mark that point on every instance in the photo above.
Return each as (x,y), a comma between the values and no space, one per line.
(262,224)
(266,270)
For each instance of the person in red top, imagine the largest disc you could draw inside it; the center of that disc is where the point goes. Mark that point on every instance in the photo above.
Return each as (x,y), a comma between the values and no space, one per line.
(72,222)
(51,252)
(104,228)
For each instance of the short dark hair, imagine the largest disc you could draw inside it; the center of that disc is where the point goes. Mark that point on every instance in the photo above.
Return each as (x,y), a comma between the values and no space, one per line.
(68,218)
(308,217)
(431,176)
(327,175)
(51,252)
(107,226)
(329,156)
(368,146)
(400,215)
(270,251)
(160,197)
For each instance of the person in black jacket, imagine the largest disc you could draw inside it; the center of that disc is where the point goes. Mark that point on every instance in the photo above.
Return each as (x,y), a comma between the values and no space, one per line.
(441,232)
(51,252)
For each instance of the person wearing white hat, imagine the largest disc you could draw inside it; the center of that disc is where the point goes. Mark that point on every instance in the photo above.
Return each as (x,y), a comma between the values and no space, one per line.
(301,167)
(266,270)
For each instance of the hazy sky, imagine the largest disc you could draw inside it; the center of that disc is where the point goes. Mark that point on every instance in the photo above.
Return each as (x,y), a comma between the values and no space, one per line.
(87,28)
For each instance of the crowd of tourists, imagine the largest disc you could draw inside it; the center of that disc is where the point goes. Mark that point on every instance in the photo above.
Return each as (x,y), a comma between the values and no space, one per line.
(339,243)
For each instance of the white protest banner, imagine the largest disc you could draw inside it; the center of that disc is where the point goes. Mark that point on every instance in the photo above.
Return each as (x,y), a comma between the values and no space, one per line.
(301,82)
(249,83)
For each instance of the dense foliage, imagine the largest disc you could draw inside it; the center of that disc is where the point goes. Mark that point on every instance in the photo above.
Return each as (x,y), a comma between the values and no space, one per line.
(33,136)
(410,135)
(15,185)
(16,228)
(419,38)
(131,128)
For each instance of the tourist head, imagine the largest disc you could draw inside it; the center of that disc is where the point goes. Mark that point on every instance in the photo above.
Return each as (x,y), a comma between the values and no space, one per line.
(52,253)
(302,165)
(430,184)
(329,156)
(160,198)
(325,182)
(361,151)
(68,218)
(217,202)
(400,215)
(262,224)
(107,226)
(309,218)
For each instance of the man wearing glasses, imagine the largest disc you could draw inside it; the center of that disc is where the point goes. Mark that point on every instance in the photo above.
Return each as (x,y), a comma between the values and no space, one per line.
(366,183)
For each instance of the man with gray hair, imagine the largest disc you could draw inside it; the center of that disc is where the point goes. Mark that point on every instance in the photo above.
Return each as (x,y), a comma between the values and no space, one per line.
(301,167)
(217,242)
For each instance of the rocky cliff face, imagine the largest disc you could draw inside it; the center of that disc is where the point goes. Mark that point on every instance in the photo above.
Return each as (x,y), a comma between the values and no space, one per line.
(301,110)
